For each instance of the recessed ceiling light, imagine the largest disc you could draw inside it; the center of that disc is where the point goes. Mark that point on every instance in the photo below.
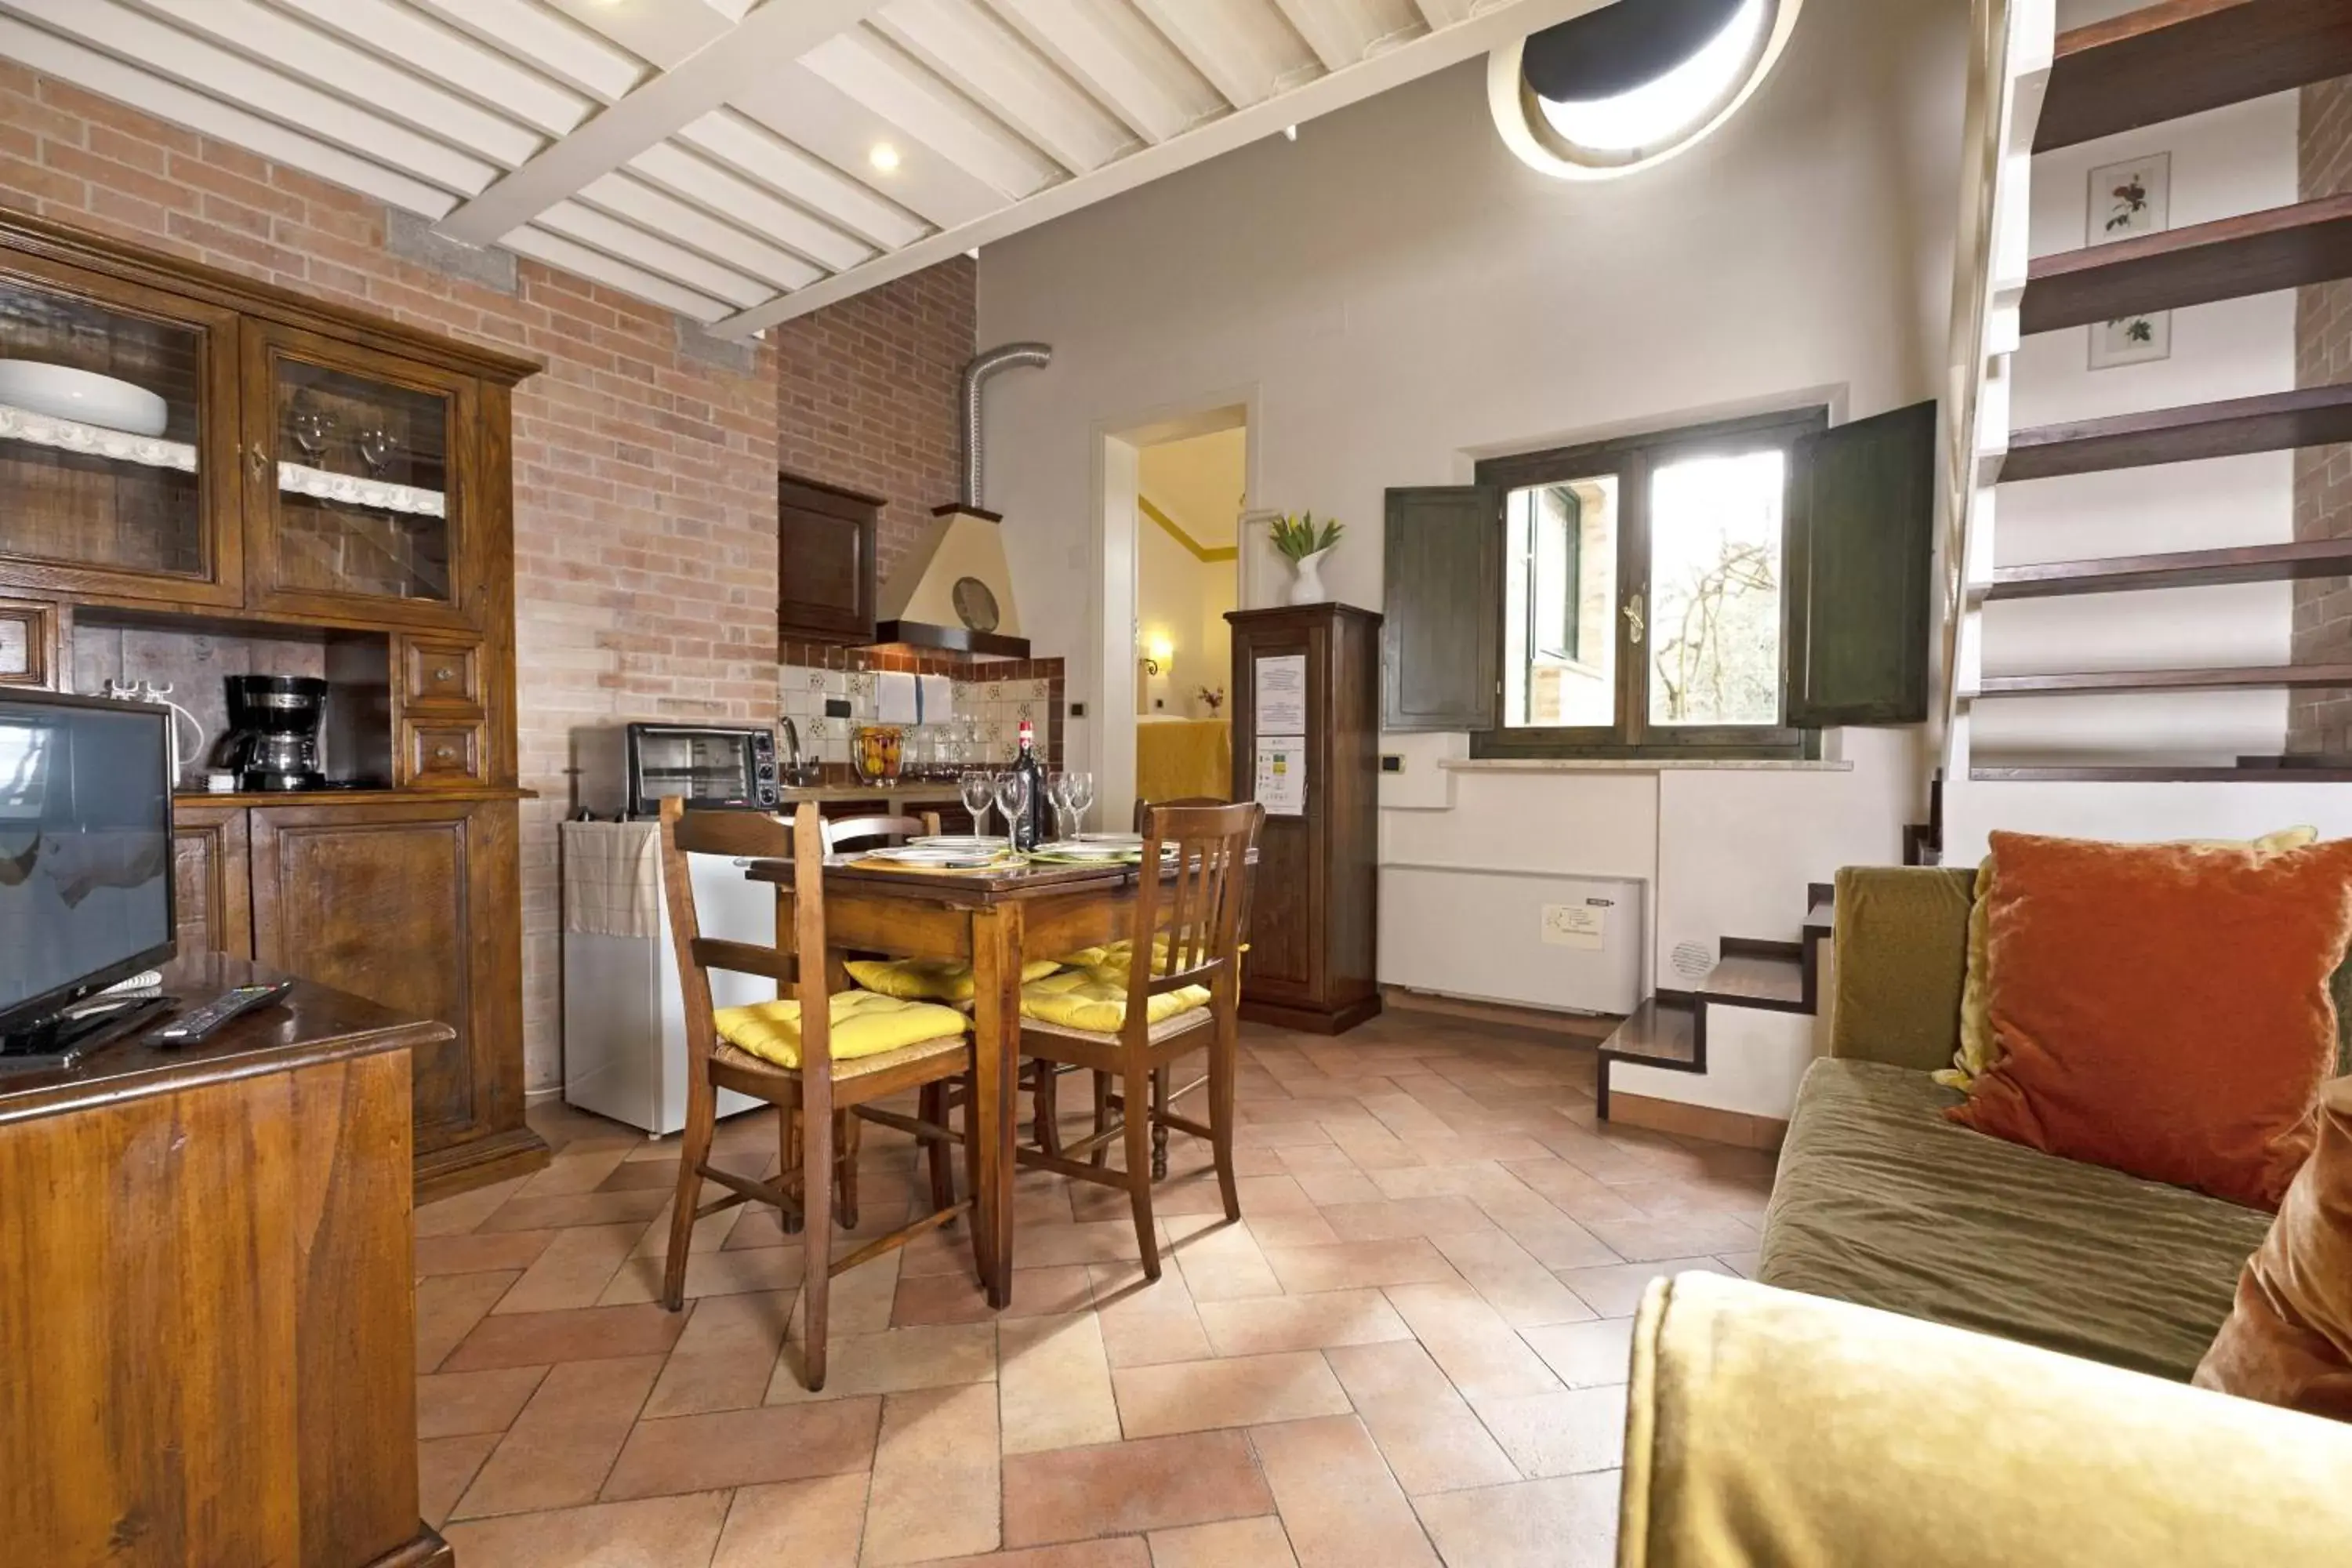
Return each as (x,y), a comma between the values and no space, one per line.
(884,157)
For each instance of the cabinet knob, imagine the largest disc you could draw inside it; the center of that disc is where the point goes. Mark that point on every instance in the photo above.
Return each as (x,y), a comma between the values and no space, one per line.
(442,753)
(259,461)
(445,675)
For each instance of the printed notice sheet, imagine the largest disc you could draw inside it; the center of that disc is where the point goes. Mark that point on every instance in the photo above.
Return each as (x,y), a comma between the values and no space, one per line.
(1282,694)
(1282,775)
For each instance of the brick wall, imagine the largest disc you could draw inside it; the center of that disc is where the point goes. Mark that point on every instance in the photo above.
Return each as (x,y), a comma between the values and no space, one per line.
(867,399)
(644,461)
(2322,720)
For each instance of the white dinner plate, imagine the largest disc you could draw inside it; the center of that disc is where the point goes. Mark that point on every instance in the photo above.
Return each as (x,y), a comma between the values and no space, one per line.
(975,843)
(1083,849)
(933,855)
(1122,840)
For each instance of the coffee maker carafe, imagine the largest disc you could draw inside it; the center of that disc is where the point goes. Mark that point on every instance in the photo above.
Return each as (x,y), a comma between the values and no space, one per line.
(273,738)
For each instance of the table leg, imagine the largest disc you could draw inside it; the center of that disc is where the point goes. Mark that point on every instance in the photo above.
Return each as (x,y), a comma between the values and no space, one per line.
(997,1050)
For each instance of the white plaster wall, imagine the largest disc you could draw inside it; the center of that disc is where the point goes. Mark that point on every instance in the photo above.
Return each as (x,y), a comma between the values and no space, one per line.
(1396,295)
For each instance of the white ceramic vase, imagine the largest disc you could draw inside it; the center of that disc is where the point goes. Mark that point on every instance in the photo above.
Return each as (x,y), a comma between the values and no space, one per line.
(1306,587)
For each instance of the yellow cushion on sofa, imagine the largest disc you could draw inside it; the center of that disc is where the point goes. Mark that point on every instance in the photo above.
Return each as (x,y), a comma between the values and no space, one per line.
(865,1024)
(1094,1000)
(929,979)
(1088,957)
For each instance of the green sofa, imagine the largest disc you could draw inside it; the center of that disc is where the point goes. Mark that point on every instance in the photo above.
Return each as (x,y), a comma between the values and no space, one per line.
(1882,1201)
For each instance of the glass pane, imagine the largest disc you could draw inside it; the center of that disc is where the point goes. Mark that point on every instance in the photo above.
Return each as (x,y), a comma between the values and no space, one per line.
(363,471)
(1715,590)
(1560,659)
(692,767)
(98,435)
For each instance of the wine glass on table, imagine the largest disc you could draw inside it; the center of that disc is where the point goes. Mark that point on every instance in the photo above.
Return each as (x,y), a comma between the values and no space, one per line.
(1078,793)
(976,789)
(1013,800)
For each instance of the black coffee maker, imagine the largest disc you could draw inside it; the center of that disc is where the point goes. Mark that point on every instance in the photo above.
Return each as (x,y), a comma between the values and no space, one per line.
(273,737)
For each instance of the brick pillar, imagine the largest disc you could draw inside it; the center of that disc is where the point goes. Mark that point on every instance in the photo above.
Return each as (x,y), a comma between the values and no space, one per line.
(2322,720)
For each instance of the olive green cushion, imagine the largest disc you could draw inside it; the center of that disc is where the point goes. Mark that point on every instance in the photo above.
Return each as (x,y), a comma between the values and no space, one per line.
(1882,1201)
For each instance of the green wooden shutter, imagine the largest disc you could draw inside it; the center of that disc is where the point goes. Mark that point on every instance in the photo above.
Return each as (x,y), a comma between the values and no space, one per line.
(1861,548)
(1443,605)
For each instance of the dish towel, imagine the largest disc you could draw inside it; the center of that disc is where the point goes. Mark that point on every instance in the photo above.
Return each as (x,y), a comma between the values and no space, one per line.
(935,699)
(612,879)
(894,697)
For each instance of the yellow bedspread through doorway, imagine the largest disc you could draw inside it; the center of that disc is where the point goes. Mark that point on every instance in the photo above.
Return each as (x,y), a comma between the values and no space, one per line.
(1177,758)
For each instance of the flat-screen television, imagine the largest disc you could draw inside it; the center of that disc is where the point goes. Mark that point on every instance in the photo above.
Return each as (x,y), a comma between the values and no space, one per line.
(85,849)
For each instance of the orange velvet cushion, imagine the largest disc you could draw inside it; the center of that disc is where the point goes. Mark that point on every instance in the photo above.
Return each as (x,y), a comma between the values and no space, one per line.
(2289,1339)
(2163,1008)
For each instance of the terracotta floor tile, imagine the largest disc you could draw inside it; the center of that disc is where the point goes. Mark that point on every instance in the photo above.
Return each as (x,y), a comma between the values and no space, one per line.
(726,1356)
(557,1452)
(710,1232)
(661,1532)
(816,1521)
(1652,1237)
(1429,1435)
(1054,1384)
(1585,1355)
(1340,1504)
(470,1254)
(1521,1289)
(745,1447)
(586,1333)
(1474,1179)
(951,1298)
(1565,1523)
(1615,1292)
(1147,1325)
(1301,1322)
(1244,1391)
(573,1270)
(1121,1489)
(457,1215)
(528,1213)
(1231,1544)
(1059,1245)
(449,1306)
(450,1404)
(1119,1551)
(1744,1264)
(1307,1158)
(1308,1229)
(582,1170)
(861,1300)
(937,1482)
(1258,1195)
(1470,1341)
(720,1273)
(1563,1434)
(444,1468)
(638,1174)
(1357,1265)
(1557,1241)
(1393,1219)
(935,1355)
(1222,1263)
(1328,1187)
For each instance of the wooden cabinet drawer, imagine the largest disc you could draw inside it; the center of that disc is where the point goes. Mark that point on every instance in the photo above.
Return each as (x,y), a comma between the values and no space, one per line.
(29,643)
(442,753)
(440,674)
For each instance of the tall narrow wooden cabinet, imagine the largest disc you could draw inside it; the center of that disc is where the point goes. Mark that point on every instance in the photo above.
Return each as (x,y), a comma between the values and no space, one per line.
(1314,931)
(229,478)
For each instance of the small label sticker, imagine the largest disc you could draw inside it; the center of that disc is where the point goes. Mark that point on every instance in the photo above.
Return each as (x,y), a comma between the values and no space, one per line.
(1572,925)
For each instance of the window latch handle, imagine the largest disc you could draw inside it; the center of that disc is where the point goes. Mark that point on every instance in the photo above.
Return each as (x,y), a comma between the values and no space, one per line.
(1634,622)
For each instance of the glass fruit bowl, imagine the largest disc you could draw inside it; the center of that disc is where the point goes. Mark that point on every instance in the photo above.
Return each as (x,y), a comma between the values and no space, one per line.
(877,750)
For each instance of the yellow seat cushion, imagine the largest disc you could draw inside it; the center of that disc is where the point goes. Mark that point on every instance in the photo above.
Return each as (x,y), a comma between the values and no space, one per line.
(865,1024)
(929,979)
(1096,1000)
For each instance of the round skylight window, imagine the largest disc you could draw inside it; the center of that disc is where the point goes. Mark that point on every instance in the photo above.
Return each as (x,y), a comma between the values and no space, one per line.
(1633,83)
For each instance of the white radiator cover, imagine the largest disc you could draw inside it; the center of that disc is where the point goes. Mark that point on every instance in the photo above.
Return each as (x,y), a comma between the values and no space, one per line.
(1478,932)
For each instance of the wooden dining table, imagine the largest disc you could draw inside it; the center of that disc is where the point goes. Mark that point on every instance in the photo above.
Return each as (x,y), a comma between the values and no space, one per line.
(998,919)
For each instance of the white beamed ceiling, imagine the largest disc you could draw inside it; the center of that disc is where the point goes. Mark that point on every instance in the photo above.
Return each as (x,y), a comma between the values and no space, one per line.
(716,157)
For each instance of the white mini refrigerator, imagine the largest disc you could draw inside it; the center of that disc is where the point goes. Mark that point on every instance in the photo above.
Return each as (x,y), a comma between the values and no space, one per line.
(623,1010)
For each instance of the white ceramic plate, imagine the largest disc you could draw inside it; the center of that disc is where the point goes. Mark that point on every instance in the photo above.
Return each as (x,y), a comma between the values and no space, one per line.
(933,855)
(1123,840)
(62,392)
(1081,849)
(975,843)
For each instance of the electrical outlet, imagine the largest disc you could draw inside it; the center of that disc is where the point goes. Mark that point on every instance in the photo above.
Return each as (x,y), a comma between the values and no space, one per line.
(1573,925)
(1077,710)
(1391,763)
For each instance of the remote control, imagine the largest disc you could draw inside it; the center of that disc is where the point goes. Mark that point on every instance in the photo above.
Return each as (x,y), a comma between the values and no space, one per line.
(193,1028)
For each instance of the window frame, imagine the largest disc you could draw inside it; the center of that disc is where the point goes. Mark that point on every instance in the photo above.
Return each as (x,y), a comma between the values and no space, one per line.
(1630,460)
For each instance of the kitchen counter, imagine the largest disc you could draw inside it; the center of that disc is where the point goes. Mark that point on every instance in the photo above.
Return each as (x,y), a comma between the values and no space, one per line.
(908,791)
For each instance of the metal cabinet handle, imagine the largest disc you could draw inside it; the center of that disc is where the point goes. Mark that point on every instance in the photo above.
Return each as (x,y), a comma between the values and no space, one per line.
(1633,619)
(445,673)
(259,461)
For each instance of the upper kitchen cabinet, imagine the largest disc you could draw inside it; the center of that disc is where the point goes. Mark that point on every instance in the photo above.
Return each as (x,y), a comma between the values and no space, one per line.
(117,437)
(824,562)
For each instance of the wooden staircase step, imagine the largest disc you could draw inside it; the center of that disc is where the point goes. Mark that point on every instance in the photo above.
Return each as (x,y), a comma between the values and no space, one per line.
(2231,678)
(1659,1033)
(2179,569)
(1757,976)
(2314,416)
(2184,56)
(2230,258)
(2157,773)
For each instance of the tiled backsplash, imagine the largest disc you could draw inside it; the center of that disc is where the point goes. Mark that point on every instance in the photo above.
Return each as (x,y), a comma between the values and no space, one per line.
(991,698)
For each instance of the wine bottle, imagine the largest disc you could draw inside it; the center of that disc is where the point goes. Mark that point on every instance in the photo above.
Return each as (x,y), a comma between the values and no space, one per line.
(1030,830)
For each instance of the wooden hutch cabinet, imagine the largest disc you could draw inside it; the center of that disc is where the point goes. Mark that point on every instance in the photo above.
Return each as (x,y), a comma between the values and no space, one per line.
(202,477)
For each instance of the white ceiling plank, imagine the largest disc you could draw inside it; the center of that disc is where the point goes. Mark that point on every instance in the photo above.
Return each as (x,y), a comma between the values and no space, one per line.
(1445,12)
(661,32)
(1346,31)
(586,261)
(1122,59)
(696,179)
(819,118)
(778,31)
(760,153)
(628,197)
(1247,48)
(618,237)
(547,41)
(991,65)
(110,77)
(392,29)
(1386,70)
(167,51)
(291,45)
(881,75)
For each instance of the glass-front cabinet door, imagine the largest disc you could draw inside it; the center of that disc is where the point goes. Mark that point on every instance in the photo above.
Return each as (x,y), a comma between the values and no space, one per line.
(356,482)
(118,438)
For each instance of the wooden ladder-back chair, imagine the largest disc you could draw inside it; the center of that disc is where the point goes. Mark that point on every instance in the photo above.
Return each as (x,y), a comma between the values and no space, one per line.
(865,832)
(815,1100)
(1189,924)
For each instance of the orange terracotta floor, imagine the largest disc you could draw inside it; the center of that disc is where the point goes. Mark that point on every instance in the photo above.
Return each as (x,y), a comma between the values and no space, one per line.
(1410,1351)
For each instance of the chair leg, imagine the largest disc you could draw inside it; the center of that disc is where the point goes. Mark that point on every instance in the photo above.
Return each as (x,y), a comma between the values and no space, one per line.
(846,1138)
(701,1120)
(1045,1118)
(1100,1158)
(788,1149)
(937,1152)
(816,1166)
(1138,1163)
(1159,1127)
(972,1155)
(1225,1053)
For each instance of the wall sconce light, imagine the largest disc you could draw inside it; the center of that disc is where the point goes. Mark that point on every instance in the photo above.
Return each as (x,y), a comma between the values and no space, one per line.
(1158,652)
